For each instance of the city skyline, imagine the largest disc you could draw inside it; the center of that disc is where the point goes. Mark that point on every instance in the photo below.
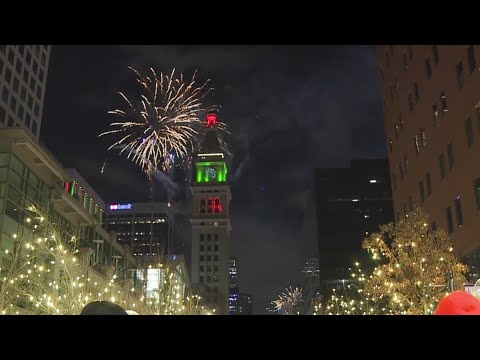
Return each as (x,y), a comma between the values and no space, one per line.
(289,109)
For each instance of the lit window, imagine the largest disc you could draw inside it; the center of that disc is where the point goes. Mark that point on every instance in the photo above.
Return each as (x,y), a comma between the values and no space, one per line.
(443,101)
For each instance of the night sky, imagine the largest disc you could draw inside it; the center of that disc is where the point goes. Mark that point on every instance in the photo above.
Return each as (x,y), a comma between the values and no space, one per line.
(290,109)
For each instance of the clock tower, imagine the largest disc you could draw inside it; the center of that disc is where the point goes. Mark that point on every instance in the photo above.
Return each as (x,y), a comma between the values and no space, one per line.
(210,221)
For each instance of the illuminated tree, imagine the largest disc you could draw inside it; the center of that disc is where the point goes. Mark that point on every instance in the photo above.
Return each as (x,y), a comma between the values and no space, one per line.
(48,274)
(417,265)
(353,299)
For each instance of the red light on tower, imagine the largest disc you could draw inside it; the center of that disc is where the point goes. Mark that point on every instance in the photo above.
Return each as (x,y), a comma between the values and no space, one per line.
(211,120)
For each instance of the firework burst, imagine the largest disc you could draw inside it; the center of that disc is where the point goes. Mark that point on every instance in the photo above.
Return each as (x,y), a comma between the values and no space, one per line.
(165,124)
(288,300)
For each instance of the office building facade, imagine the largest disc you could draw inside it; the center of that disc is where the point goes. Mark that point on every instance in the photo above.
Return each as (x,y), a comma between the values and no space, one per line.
(144,228)
(351,203)
(23,76)
(432,126)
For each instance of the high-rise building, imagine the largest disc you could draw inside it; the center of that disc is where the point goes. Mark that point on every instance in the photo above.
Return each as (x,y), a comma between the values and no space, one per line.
(146,229)
(210,221)
(245,304)
(232,286)
(351,203)
(432,125)
(23,76)
(29,174)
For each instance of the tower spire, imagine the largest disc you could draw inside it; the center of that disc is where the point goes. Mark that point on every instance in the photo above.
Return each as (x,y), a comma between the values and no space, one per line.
(210,142)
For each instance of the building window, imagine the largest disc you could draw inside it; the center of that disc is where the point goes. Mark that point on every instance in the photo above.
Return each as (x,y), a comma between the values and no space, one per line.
(416,93)
(10,120)
(8,75)
(36,109)
(28,57)
(39,92)
(2,115)
(202,258)
(202,268)
(429,68)
(460,77)
(471,59)
(443,101)
(416,144)
(40,75)
(18,66)
(209,278)
(13,104)
(16,84)
(202,248)
(11,56)
(202,206)
(469,130)
(215,248)
(441,161)
(478,119)
(201,279)
(23,93)
(202,237)
(215,257)
(20,112)
(451,158)
(458,209)
(215,237)
(410,102)
(410,203)
(428,182)
(209,258)
(209,247)
(436,57)
(422,191)
(423,138)
(215,268)
(5,96)
(209,268)
(476,187)
(436,116)
(394,182)
(449,220)
(209,237)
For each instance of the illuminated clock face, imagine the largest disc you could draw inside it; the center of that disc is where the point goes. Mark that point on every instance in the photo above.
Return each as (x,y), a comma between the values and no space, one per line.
(211,173)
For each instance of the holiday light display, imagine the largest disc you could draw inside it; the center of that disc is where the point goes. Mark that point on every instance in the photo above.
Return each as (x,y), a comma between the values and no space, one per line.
(48,274)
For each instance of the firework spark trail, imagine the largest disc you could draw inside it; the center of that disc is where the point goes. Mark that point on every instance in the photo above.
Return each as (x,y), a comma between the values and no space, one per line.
(292,298)
(166,122)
